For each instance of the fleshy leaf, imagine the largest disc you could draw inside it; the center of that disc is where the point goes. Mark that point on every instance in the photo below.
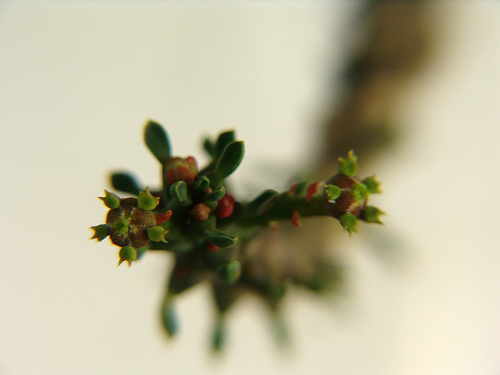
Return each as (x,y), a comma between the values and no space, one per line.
(169,318)
(260,204)
(157,140)
(223,140)
(229,160)
(179,191)
(209,147)
(220,238)
(230,272)
(216,195)
(201,184)
(219,335)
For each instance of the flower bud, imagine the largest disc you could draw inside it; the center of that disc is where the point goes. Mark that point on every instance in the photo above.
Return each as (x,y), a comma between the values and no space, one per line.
(296,219)
(225,207)
(312,190)
(179,169)
(161,218)
(200,212)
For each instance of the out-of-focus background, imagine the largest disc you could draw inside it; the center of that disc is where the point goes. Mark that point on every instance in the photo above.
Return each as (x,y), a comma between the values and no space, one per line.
(79,79)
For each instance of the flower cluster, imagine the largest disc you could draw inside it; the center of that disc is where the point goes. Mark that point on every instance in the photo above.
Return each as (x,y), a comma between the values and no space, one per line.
(213,236)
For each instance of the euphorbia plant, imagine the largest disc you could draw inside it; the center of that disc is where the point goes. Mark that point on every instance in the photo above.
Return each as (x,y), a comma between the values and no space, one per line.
(210,231)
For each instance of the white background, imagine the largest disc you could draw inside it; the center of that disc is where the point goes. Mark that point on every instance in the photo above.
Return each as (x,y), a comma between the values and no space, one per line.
(79,79)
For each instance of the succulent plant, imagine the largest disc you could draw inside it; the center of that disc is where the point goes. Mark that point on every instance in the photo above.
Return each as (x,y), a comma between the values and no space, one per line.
(217,238)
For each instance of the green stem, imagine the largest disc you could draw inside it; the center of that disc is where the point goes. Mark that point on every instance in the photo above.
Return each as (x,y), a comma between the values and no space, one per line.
(283,207)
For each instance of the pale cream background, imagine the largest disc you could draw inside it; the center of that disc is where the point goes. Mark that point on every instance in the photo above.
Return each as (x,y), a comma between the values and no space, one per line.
(78,80)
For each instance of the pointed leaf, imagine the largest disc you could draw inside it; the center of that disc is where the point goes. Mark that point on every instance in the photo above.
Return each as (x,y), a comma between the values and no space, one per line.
(169,318)
(349,166)
(220,238)
(179,191)
(157,141)
(230,160)
(209,147)
(223,140)
(230,272)
(262,203)
(219,335)
(216,195)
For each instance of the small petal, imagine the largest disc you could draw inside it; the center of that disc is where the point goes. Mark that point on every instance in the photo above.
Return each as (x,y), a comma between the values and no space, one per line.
(146,201)
(371,214)
(127,254)
(157,233)
(372,184)
(100,232)
(349,223)
(348,167)
(111,200)
(360,192)
(332,192)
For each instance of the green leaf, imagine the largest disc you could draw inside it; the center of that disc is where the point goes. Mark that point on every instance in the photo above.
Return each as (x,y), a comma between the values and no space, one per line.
(223,140)
(230,272)
(125,182)
(169,318)
(262,203)
(157,141)
(209,147)
(201,184)
(230,160)
(220,238)
(219,335)
(179,191)
(215,195)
